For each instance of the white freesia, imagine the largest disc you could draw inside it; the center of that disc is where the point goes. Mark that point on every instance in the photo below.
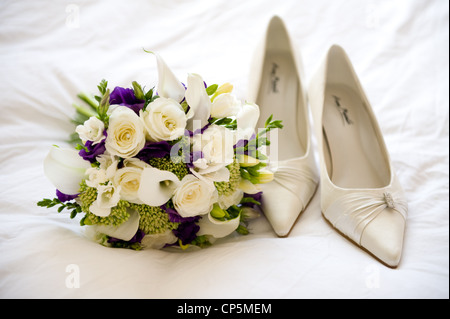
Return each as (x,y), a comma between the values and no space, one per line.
(216,228)
(96,176)
(91,130)
(194,197)
(126,135)
(109,164)
(198,101)
(246,120)
(156,186)
(107,197)
(216,144)
(164,120)
(65,169)
(225,105)
(158,241)
(168,84)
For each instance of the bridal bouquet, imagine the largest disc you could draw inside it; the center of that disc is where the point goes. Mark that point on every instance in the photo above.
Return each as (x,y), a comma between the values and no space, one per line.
(175,167)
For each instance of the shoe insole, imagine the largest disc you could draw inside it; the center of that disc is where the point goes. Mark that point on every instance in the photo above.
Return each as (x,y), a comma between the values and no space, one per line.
(279,95)
(353,152)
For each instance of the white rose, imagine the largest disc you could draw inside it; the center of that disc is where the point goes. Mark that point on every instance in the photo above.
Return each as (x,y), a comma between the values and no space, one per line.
(91,130)
(107,197)
(194,197)
(164,120)
(129,179)
(225,105)
(216,144)
(126,135)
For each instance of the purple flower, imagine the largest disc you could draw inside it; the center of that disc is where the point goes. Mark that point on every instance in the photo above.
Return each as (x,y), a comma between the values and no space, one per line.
(137,238)
(174,217)
(64,197)
(257,197)
(154,149)
(193,157)
(244,143)
(186,232)
(126,98)
(90,152)
(198,131)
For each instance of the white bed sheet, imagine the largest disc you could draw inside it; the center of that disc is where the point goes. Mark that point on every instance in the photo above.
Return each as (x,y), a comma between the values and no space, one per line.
(51,50)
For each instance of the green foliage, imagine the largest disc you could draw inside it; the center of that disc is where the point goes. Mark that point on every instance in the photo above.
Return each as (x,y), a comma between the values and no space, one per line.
(210,90)
(201,241)
(72,206)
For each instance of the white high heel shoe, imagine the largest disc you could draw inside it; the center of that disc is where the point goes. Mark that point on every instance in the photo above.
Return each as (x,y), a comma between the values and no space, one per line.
(360,194)
(276,85)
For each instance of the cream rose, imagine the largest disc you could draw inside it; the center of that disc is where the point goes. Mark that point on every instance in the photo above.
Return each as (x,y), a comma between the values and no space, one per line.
(129,179)
(126,135)
(164,120)
(91,130)
(194,197)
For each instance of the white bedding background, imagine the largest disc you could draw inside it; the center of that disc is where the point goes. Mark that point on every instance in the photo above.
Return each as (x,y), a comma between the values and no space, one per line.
(51,50)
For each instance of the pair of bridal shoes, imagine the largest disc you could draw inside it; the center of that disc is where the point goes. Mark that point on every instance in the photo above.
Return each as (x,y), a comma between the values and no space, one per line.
(360,194)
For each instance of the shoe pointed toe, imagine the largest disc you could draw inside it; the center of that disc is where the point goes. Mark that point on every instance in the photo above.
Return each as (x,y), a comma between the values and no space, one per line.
(383,237)
(281,208)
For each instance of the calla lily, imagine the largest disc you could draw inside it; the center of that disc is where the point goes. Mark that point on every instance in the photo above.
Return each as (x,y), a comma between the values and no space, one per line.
(65,169)
(246,120)
(158,241)
(124,231)
(199,102)
(209,175)
(216,228)
(168,84)
(157,186)
(248,187)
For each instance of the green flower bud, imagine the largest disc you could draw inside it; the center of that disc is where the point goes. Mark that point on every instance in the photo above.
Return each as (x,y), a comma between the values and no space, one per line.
(217,212)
